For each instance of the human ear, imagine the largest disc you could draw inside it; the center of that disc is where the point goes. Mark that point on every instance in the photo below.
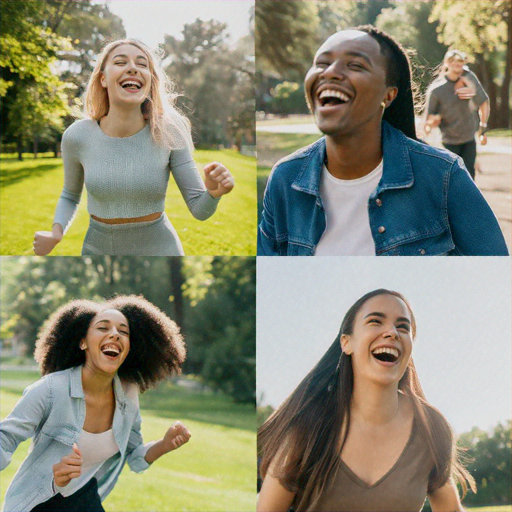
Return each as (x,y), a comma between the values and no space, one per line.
(83,345)
(345,344)
(391,94)
(103,81)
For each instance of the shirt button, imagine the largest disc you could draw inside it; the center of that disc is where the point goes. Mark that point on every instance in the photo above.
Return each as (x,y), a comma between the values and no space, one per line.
(382,229)
(378,202)
(423,252)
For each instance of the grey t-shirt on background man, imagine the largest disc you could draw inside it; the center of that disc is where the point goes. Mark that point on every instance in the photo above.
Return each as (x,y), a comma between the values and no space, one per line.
(459,118)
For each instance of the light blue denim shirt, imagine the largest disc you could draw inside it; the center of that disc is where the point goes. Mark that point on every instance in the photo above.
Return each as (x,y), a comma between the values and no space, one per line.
(425,204)
(52,413)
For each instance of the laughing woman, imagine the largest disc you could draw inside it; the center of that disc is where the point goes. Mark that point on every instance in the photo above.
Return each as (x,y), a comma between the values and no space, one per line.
(369,187)
(133,138)
(83,415)
(357,435)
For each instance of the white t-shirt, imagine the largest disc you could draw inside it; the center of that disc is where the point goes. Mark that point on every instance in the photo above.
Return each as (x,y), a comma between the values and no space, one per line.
(347,231)
(95,449)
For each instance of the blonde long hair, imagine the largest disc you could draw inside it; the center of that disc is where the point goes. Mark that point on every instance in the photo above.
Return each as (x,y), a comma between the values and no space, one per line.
(169,127)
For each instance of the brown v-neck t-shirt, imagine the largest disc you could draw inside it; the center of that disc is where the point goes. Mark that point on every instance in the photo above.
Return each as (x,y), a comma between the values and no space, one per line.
(402,489)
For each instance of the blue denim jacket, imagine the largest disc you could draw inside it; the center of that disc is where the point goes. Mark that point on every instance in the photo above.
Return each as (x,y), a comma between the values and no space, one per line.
(425,204)
(52,412)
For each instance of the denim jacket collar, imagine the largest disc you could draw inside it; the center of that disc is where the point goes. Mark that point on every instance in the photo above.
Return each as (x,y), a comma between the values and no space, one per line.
(77,390)
(397,172)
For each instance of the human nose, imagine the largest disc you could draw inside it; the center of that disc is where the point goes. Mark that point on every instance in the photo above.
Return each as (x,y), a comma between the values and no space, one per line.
(333,72)
(114,334)
(391,332)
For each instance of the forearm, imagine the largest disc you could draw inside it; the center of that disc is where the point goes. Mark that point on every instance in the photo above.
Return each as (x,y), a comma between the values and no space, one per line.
(155,452)
(484,111)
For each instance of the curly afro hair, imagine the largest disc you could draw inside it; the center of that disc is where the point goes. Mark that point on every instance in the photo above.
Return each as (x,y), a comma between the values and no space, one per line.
(157,348)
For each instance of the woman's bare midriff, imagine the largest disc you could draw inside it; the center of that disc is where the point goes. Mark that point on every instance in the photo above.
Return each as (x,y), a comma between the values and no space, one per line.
(145,218)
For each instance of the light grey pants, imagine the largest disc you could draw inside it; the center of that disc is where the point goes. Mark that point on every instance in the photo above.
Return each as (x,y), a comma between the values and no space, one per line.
(153,238)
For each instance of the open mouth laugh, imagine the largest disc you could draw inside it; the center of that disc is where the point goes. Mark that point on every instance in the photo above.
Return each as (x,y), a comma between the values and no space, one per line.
(111,351)
(386,354)
(331,97)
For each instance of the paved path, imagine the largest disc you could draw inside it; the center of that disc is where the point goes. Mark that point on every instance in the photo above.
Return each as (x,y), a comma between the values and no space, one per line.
(494,180)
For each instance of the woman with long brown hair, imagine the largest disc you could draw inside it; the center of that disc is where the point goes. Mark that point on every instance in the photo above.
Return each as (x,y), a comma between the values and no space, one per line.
(358,434)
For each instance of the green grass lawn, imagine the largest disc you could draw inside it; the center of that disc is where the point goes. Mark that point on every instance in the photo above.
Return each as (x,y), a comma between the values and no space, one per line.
(30,190)
(215,471)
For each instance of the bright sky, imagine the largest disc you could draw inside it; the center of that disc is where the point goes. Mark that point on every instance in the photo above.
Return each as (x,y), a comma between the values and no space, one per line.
(149,20)
(462,306)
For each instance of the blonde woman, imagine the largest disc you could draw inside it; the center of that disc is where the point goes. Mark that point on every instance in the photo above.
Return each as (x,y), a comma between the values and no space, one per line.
(132,137)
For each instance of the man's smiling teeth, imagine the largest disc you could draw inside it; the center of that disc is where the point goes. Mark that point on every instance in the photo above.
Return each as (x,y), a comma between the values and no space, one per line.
(111,350)
(329,94)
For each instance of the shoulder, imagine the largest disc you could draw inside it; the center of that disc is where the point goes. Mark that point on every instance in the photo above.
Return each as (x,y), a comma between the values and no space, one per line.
(439,82)
(285,170)
(131,392)
(78,131)
(424,151)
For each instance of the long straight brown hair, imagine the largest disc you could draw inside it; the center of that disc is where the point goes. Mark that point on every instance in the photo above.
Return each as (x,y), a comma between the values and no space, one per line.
(300,442)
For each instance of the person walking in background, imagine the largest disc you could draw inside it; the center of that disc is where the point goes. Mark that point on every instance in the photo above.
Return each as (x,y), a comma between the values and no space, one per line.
(458,104)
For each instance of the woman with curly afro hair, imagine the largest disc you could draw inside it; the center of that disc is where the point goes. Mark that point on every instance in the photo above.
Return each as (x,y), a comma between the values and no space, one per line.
(83,414)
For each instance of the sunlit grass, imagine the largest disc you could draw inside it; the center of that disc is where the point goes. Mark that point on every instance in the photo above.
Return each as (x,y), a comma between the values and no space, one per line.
(215,471)
(30,190)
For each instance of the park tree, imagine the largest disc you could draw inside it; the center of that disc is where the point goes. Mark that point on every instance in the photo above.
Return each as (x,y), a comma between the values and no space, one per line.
(409,23)
(221,330)
(482,29)
(33,98)
(489,461)
(214,80)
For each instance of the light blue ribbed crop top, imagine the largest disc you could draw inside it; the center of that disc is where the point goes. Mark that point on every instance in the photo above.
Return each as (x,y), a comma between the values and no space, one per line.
(125,177)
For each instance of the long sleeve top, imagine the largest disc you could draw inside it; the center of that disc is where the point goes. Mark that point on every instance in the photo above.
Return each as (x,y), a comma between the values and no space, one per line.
(125,177)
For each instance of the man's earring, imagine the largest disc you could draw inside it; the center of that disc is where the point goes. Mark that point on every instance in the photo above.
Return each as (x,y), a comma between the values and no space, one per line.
(383,104)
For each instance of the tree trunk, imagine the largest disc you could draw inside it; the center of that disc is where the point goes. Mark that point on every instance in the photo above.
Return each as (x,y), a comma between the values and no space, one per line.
(504,120)
(486,71)
(177,282)
(20,149)
(35,146)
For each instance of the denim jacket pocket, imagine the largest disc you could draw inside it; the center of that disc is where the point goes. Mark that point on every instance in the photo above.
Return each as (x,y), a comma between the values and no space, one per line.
(299,248)
(440,244)
(64,434)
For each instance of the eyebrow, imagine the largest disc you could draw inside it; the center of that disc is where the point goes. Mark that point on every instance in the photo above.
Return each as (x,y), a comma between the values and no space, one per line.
(382,315)
(350,54)
(362,55)
(108,321)
(126,56)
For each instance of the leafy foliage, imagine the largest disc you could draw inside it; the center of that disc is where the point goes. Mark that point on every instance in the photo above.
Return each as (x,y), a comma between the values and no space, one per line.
(216,297)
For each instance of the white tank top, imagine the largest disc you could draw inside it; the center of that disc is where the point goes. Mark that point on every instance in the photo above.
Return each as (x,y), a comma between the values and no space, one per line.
(95,449)
(347,231)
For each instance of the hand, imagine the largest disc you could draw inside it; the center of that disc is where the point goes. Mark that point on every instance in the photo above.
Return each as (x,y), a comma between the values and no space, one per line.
(217,179)
(465,93)
(468,89)
(45,241)
(482,137)
(175,437)
(69,467)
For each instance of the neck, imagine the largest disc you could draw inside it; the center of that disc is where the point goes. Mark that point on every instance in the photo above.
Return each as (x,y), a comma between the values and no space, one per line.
(354,155)
(378,405)
(123,121)
(96,383)
(452,76)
